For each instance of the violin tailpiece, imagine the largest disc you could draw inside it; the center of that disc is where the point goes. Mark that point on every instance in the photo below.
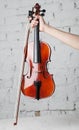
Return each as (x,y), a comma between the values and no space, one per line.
(37,85)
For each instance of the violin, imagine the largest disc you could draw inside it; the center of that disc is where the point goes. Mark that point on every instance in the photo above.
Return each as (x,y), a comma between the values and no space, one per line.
(37,83)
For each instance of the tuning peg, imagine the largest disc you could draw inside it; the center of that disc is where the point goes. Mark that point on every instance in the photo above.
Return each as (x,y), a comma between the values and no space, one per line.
(30,13)
(43,10)
(42,14)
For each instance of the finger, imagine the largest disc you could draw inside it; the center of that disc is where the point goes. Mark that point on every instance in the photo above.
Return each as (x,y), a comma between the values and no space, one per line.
(34,23)
(29,18)
(36,17)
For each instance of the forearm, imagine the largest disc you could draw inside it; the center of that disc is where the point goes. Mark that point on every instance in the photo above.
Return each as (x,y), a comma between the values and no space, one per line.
(67,38)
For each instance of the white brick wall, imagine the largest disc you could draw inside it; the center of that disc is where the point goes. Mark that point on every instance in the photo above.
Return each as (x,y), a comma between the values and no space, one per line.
(63,14)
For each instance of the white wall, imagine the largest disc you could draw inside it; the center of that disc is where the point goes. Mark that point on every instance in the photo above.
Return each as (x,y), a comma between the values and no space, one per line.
(62,14)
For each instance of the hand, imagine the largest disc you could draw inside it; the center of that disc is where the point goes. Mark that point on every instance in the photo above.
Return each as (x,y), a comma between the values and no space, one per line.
(34,22)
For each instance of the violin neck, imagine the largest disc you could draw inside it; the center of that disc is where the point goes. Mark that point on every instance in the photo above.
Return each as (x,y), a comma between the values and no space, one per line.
(37,54)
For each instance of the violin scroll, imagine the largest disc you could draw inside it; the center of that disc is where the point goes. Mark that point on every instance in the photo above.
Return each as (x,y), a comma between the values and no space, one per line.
(36,11)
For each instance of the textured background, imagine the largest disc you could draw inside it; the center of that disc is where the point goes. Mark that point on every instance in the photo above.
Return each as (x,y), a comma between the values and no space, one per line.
(62,14)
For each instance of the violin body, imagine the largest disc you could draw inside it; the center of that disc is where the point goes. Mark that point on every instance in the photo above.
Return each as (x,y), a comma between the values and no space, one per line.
(37,83)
